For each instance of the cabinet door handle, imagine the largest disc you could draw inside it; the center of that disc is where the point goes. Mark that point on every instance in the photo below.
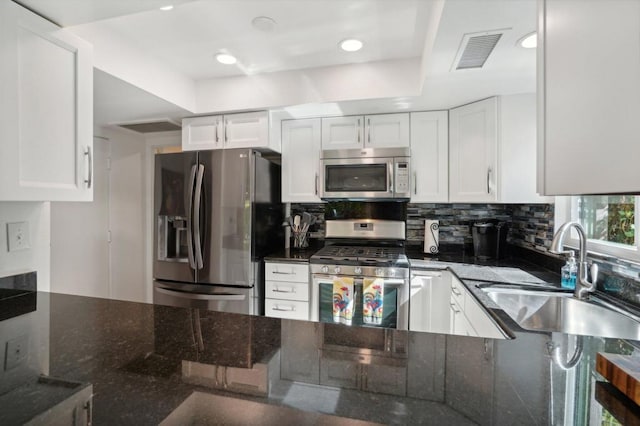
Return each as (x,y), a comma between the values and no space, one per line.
(217,139)
(226,124)
(369,131)
(415,183)
(284,309)
(89,179)
(359,130)
(488,180)
(316,184)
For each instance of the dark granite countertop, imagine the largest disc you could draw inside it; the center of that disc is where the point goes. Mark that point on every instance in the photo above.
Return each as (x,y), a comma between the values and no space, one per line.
(148,363)
(291,255)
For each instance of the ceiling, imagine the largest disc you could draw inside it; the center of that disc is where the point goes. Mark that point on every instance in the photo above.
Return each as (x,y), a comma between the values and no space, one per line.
(306,36)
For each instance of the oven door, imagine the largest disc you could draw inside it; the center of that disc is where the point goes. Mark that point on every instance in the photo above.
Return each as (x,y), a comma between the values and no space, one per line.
(357,178)
(395,307)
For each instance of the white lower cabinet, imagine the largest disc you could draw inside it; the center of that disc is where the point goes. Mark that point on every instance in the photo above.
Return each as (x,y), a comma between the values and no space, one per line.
(287,290)
(429,304)
(468,317)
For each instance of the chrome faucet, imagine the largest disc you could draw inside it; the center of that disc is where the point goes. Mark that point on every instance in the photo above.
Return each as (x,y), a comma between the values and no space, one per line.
(583,285)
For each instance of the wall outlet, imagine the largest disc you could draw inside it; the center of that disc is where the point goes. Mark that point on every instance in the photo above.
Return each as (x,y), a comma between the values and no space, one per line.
(16,352)
(18,236)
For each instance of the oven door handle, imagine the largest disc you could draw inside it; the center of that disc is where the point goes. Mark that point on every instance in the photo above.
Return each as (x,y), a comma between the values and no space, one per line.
(388,282)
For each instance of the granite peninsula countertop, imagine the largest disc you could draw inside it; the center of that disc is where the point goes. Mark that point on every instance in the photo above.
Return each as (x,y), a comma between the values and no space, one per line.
(149,363)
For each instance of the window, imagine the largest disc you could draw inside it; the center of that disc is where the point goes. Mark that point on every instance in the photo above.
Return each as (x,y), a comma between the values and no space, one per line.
(610,222)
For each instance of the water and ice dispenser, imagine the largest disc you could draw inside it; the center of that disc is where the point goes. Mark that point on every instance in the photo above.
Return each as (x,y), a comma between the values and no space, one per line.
(172,239)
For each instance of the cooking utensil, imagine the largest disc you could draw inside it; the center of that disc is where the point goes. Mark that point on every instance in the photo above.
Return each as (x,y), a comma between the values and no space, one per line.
(296,223)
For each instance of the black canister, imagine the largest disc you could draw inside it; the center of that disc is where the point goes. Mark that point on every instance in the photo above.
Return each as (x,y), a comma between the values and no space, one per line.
(489,239)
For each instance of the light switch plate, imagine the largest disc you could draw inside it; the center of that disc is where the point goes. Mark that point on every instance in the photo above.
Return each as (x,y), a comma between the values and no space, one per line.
(16,352)
(18,236)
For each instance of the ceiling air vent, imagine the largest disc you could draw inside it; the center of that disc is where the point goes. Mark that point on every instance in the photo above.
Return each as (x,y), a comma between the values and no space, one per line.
(162,125)
(475,49)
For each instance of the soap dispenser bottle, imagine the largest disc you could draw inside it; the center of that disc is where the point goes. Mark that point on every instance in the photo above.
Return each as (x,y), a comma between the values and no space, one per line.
(569,272)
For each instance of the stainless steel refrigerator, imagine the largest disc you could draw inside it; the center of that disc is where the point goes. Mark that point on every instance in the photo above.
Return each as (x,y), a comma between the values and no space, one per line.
(218,213)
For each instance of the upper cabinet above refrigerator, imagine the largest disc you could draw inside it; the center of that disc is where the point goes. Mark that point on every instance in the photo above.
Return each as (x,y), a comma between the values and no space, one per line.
(588,97)
(243,130)
(46,139)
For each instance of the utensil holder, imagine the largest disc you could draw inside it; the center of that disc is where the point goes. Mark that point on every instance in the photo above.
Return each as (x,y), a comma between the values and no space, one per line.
(300,240)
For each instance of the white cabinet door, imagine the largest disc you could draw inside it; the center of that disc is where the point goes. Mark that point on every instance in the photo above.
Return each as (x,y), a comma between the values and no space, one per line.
(473,147)
(46,75)
(429,303)
(387,131)
(246,130)
(589,97)
(300,160)
(342,132)
(202,133)
(430,156)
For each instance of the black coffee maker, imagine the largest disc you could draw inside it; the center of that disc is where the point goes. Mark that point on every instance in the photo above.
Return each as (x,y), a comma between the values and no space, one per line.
(489,239)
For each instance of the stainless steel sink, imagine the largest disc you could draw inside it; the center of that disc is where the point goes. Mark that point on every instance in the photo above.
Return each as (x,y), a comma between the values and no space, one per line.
(547,311)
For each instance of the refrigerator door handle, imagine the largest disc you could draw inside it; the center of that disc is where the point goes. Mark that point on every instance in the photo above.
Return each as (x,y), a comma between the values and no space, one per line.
(201,296)
(196,218)
(192,178)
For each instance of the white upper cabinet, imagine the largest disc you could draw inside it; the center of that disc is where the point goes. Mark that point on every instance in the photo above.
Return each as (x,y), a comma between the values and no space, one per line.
(46,138)
(430,157)
(492,151)
(369,131)
(589,97)
(342,132)
(247,130)
(243,130)
(387,130)
(473,147)
(301,147)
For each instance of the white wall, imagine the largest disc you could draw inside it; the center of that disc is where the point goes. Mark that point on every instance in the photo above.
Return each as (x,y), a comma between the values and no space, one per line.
(84,262)
(37,257)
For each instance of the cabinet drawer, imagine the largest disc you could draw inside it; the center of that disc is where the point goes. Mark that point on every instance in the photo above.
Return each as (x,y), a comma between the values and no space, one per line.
(289,309)
(287,290)
(295,272)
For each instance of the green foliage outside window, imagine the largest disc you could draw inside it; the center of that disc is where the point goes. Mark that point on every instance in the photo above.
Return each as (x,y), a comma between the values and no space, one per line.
(609,217)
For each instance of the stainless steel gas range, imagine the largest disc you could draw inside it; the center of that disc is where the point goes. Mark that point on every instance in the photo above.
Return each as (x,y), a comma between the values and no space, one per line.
(361,276)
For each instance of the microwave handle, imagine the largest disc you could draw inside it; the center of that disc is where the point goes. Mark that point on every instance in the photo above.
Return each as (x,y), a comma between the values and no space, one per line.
(391,167)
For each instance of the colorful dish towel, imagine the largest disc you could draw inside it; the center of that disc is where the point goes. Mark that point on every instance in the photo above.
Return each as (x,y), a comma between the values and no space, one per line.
(343,297)
(372,300)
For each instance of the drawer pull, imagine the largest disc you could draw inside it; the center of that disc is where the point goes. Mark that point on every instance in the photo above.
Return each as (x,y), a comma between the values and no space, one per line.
(455,291)
(284,308)
(453,308)
(283,273)
(290,290)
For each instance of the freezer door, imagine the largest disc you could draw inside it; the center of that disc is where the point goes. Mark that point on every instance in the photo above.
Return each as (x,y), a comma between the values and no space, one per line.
(225,219)
(173,246)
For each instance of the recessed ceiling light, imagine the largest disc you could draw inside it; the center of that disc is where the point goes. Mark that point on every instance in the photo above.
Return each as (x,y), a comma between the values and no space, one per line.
(166,8)
(351,45)
(530,41)
(225,58)
(264,23)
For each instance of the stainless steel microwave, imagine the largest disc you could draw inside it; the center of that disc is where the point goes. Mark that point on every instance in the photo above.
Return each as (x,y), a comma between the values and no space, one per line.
(366,174)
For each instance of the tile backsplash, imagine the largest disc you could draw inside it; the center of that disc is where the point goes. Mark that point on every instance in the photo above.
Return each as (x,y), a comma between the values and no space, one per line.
(530,225)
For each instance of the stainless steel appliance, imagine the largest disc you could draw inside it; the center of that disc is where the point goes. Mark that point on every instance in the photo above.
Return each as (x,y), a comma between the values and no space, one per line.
(209,243)
(489,239)
(359,248)
(366,174)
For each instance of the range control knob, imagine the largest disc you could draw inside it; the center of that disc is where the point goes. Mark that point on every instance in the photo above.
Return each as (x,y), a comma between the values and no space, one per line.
(325,269)
(379,272)
(358,270)
(336,270)
(392,272)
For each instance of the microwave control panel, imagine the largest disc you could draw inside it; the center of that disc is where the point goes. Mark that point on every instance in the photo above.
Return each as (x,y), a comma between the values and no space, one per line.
(402,177)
